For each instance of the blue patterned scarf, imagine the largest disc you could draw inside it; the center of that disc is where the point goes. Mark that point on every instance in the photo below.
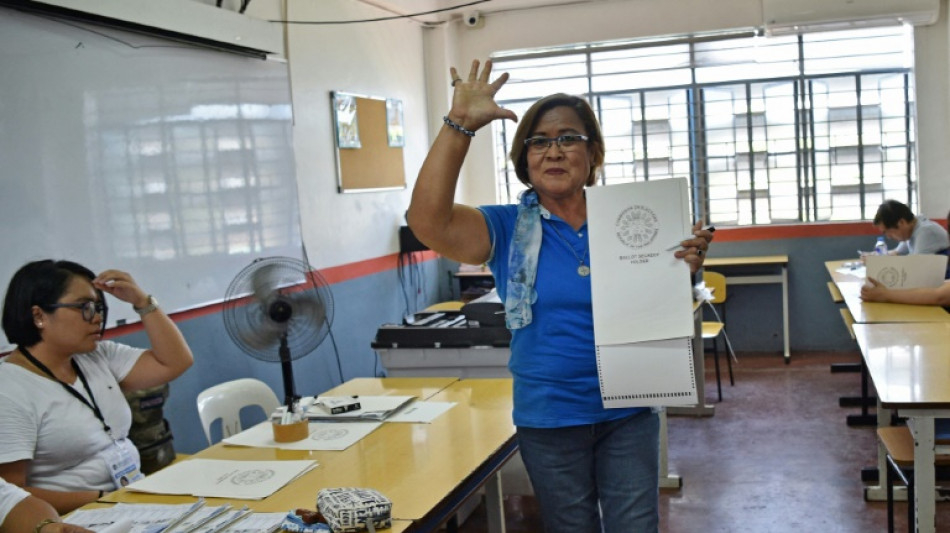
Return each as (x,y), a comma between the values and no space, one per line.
(523,262)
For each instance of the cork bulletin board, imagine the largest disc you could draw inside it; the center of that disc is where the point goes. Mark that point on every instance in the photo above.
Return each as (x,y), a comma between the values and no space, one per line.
(369,141)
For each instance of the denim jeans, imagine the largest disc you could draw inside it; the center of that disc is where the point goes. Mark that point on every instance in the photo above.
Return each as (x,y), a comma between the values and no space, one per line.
(596,478)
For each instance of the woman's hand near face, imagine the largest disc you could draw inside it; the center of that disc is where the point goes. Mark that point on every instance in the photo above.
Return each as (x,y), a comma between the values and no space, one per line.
(169,356)
(122,286)
(694,250)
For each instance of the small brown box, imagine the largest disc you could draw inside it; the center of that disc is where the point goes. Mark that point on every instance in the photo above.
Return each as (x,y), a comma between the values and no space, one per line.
(291,432)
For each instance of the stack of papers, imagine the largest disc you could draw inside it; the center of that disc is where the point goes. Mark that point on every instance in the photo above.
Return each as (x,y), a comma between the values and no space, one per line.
(239,480)
(183,518)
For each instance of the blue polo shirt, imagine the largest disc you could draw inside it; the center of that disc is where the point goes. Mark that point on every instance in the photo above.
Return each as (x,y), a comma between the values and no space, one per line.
(553,359)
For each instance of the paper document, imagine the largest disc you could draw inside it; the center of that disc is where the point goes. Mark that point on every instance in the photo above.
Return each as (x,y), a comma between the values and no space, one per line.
(248,480)
(640,291)
(907,271)
(333,436)
(648,374)
(852,268)
(421,412)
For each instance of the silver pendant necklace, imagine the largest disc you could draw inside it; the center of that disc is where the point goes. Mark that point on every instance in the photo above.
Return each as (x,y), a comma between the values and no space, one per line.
(582,269)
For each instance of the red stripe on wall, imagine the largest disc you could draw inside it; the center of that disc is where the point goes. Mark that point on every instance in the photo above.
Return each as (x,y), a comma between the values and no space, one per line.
(337,274)
(800,231)
(795,231)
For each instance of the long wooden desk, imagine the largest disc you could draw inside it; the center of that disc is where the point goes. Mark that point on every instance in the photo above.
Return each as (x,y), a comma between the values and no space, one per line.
(779,261)
(910,367)
(427,470)
(848,280)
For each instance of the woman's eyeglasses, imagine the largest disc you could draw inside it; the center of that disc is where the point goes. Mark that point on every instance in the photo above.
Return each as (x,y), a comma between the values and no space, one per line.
(89,309)
(566,143)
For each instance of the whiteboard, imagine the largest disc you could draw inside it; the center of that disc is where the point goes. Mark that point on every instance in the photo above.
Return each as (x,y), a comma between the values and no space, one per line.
(119,150)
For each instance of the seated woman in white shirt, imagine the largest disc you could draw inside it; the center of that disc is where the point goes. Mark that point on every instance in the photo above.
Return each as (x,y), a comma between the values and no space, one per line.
(64,420)
(22,513)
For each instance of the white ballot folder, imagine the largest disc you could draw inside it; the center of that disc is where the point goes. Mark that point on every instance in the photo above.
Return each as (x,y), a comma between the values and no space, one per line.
(907,271)
(640,291)
(642,296)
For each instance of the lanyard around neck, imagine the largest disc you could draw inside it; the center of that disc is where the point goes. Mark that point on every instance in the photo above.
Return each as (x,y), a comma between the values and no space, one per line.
(91,405)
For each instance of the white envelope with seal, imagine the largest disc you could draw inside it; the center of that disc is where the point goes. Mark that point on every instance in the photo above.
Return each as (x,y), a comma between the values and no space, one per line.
(907,271)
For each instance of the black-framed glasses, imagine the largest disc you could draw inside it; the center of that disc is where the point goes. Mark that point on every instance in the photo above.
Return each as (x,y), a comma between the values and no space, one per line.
(566,143)
(89,309)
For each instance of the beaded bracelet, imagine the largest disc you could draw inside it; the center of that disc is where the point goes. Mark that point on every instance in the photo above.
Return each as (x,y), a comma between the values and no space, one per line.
(457,127)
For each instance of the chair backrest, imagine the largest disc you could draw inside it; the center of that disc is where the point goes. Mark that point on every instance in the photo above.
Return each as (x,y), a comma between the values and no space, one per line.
(717,283)
(226,400)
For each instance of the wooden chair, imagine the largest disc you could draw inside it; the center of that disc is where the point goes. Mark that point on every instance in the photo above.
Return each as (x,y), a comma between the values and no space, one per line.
(899,446)
(836,296)
(716,282)
(848,319)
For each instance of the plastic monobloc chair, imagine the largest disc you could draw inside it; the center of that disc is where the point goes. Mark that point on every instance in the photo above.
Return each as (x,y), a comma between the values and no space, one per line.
(225,401)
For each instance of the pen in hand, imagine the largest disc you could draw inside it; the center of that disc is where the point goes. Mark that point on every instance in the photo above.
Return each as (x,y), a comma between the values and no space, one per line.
(710,229)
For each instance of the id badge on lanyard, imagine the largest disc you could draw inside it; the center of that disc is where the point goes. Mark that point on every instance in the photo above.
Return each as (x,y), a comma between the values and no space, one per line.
(123,460)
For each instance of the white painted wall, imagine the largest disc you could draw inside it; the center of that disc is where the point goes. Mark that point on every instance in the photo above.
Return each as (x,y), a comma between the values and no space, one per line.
(383,59)
(932,73)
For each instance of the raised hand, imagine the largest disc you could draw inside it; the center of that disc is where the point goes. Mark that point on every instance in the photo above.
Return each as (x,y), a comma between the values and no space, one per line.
(473,104)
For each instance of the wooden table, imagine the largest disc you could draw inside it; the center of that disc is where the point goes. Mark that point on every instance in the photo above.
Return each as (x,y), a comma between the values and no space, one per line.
(910,367)
(774,261)
(427,470)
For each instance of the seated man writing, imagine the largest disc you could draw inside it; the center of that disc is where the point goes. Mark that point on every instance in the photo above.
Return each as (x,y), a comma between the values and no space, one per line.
(915,234)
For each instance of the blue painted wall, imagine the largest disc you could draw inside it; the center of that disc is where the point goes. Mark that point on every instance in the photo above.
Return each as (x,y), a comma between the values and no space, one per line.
(754,312)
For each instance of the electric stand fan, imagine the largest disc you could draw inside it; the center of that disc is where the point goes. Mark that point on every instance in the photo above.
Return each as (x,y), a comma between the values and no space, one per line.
(278,309)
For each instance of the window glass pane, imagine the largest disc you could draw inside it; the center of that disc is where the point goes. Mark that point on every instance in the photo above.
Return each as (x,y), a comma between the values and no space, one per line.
(746,58)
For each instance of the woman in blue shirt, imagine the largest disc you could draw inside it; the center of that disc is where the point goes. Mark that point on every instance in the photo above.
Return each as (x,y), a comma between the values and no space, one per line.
(592,469)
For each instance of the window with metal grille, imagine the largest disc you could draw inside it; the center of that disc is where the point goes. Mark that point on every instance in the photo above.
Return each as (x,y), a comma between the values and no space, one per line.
(801,128)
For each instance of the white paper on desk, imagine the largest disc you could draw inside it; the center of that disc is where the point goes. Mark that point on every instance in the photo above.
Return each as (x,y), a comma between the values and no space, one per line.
(421,412)
(243,480)
(855,268)
(332,436)
(640,291)
(647,374)
(907,271)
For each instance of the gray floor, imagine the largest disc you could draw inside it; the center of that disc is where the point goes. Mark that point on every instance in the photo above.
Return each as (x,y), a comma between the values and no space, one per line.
(776,457)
